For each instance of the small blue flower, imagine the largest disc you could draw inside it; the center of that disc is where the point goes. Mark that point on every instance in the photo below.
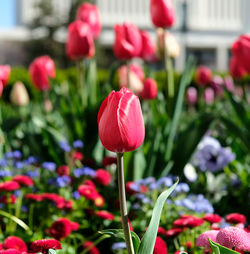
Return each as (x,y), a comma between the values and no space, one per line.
(19,165)
(24,209)
(77,144)
(87,171)
(78,172)
(17,193)
(8,155)
(64,146)
(3,163)
(4,173)
(17,154)
(165,182)
(31,160)
(62,181)
(76,195)
(33,174)
(51,166)
(119,246)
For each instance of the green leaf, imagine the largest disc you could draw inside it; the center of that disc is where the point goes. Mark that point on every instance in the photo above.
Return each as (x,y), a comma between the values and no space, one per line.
(51,251)
(10,123)
(148,241)
(118,233)
(218,249)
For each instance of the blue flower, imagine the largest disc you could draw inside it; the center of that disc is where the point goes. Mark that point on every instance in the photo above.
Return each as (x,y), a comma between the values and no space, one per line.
(4,173)
(165,182)
(87,171)
(8,155)
(76,195)
(17,154)
(119,246)
(24,209)
(3,163)
(31,160)
(19,164)
(64,146)
(63,181)
(51,166)
(212,156)
(77,144)
(33,173)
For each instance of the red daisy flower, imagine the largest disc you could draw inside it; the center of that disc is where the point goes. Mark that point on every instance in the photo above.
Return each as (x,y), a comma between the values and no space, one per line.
(212,218)
(99,201)
(23,180)
(235,218)
(92,248)
(173,232)
(161,231)
(10,251)
(44,245)
(103,177)
(61,228)
(14,242)
(105,215)
(63,170)
(89,192)
(9,186)
(160,246)
(8,199)
(35,197)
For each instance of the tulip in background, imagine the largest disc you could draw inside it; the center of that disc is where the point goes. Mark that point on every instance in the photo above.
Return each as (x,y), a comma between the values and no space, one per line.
(162,13)
(149,91)
(209,95)
(90,14)
(192,96)
(236,69)
(40,70)
(148,47)
(203,75)
(19,95)
(128,41)
(4,76)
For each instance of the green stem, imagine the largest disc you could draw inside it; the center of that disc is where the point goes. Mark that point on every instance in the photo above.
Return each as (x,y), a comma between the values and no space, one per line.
(18,208)
(123,206)
(81,78)
(31,213)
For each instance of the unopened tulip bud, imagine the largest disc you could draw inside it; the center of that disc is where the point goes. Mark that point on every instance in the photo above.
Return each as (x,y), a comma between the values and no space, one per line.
(191,95)
(48,107)
(209,95)
(19,95)
(149,91)
(203,75)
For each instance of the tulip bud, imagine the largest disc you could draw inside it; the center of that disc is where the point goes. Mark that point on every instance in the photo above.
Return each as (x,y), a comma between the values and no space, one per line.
(171,45)
(128,41)
(136,75)
(217,84)
(162,13)
(48,107)
(209,95)
(19,95)
(80,43)
(203,75)
(241,50)
(90,14)
(149,91)
(148,47)
(192,95)
(40,70)
(236,69)
(4,74)
(120,122)
(229,84)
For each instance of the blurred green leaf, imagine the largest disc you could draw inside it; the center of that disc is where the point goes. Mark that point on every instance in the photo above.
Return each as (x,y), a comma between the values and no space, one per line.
(218,249)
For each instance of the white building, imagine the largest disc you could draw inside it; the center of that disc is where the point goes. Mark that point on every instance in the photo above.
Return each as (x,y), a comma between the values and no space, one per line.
(205,28)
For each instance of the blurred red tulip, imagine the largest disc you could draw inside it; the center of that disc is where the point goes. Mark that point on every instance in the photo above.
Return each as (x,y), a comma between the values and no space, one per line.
(241,50)
(4,74)
(90,14)
(40,70)
(128,41)
(160,246)
(80,43)
(120,122)
(148,47)
(236,69)
(203,75)
(149,91)
(162,13)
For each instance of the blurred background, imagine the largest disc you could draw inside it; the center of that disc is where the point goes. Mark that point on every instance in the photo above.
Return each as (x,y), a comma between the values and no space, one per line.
(204,28)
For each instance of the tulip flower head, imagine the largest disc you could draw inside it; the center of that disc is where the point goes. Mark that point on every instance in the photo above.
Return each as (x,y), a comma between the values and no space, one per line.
(19,95)
(236,69)
(162,13)
(4,76)
(40,70)
(149,91)
(191,95)
(148,47)
(90,14)
(120,122)
(128,41)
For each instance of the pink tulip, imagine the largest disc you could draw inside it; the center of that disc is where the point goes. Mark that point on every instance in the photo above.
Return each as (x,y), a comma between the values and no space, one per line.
(149,91)
(120,122)
(136,76)
(217,83)
(80,43)
(203,239)
(241,50)
(90,14)
(4,74)
(233,237)
(128,41)
(148,47)
(229,84)
(236,69)
(40,70)
(191,96)
(162,13)
(209,95)
(203,75)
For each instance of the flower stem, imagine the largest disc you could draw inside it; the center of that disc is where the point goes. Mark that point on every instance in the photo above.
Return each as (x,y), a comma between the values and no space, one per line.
(123,206)
(81,78)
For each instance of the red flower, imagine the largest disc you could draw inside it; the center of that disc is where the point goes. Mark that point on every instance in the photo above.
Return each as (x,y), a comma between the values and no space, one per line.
(10,251)
(162,13)
(235,218)
(149,91)
(128,41)
(212,218)
(63,170)
(14,242)
(173,232)
(9,186)
(23,180)
(44,245)
(148,47)
(74,226)
(109,160)
(92,248)
(99,201)
(61,228)
(88,191)
(66,205)
(160,246)
(120,122)
(103,177)
(161,231)
(202,239)
(58,200)
(77,155)
(236,69)
(241,50)
(8,199)
(203,75)
(90,14)
(35,197)
(40,70)
(80,43)
(188,221)
(89,182)
(105,215)
(4,74)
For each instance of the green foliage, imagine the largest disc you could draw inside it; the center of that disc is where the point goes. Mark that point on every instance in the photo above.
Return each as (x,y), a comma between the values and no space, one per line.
(218,249)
